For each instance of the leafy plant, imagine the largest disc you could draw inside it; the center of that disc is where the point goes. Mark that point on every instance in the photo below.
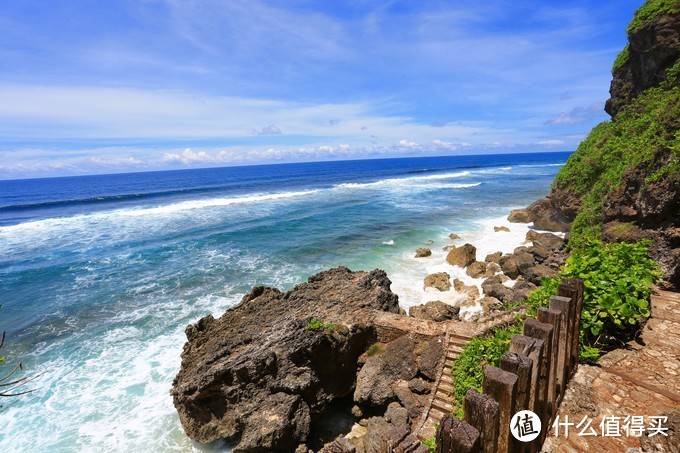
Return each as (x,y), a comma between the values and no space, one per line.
(468,369)
(652,9)
(315,324)
(374,349)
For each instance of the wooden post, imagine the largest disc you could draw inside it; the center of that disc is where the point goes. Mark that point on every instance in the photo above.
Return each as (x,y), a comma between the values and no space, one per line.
(532,348)
(501,386)
(544,331)
(570,291)
(562,304)
(455,435)
(521,366)
(481,411)
(577,284)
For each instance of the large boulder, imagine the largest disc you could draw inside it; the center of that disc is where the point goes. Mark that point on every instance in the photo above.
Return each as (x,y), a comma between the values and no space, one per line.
(549,214)
(519,216)
(434,311)
(462,256)
(261,374)
(515,264)
(439,280)
(477,269)
(493,257)
(494,287)
(374,381)
(549,241)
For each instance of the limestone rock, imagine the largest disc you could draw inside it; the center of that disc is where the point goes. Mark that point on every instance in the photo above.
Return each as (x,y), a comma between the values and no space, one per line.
(476,269)
(496,229)
(435,311)
(259,376)
(489,303)
(519,216)
(513,265)
(453,236)
(493,257)
(462,256)
(423,252)
(439,280)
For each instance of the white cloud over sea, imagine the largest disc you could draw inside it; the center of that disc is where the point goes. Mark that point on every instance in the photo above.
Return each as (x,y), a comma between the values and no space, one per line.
(238,81)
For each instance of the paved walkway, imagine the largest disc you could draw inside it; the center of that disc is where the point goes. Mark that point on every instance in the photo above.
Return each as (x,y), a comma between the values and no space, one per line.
(640,380)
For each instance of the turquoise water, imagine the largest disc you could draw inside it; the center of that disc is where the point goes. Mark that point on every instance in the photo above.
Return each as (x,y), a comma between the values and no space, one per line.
(100,275)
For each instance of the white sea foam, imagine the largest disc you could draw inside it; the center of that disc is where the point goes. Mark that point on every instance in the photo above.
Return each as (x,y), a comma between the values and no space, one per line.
(390,242)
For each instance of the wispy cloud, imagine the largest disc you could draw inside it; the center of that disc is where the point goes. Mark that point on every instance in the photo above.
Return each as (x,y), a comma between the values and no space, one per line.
(189,83)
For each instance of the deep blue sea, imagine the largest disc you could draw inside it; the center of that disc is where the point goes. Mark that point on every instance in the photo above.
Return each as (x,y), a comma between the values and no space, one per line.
(99,275)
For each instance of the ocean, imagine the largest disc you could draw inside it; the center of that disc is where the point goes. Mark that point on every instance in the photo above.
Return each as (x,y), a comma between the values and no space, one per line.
(99,275)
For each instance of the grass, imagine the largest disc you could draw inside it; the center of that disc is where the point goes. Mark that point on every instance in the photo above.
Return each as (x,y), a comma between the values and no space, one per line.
(644,133)
(651,10)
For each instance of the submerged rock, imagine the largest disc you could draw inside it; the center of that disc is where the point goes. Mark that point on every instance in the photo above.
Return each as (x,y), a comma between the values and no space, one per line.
(264,371)
(423,252)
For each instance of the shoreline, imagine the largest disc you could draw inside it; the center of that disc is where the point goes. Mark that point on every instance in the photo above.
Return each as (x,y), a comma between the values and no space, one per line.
(409,284)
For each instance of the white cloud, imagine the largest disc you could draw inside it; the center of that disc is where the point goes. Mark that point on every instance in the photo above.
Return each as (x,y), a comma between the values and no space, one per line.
(268,130)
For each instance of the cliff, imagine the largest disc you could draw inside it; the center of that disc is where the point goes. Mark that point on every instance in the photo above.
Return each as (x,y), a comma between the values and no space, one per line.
(623,181)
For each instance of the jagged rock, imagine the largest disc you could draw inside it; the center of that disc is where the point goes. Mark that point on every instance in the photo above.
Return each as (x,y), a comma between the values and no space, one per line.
(340,445)
(534,274)
(496,229)
(494,287)
(515,264)
(492,269)
(428,357)
(259,375)
(462,256)
(539,252)
(396,414)
(357,412)
(550,214)
(435,310)
(549,241)
(419,386)
(374,381)
(489,303)
(440,281)
(476,269)
(423,252)
(493,257)
(652,49)
(470,291)
(453,236)
(413,402)
(519,216)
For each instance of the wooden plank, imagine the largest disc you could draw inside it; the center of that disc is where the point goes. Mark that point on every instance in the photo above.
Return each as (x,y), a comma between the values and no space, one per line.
(562,304)
(482,412)
(501,386)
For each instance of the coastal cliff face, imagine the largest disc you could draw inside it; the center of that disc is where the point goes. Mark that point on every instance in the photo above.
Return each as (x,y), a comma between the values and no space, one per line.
(623,182)
(261,374)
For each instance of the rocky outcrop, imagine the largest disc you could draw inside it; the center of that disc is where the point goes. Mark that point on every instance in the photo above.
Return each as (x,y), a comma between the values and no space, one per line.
(496,229)
(493,257)
(462,256)
(423,252)
(652,49)
(519,216)
(477,269)
(436,311)
(263,372)
(384,377)
(439,280)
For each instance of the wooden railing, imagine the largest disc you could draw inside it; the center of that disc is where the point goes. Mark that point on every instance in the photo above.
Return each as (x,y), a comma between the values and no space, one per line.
(533,375)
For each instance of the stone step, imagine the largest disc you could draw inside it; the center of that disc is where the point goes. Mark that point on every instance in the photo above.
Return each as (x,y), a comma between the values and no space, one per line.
(442,406)
(437,414)
(446,379)
(443,394)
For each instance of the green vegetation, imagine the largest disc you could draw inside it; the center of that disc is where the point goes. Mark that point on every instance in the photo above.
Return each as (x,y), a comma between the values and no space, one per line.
(617,279)
(643,132)
(621,58)
(431,443)
(315,324)
(652,9)
(468,369)
(375,349)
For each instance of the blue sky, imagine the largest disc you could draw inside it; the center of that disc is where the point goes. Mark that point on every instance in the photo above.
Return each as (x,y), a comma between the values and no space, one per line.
(99,87)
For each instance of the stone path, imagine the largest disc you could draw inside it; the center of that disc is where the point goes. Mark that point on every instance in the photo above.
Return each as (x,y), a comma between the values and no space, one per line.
(457,336)
(640,380)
